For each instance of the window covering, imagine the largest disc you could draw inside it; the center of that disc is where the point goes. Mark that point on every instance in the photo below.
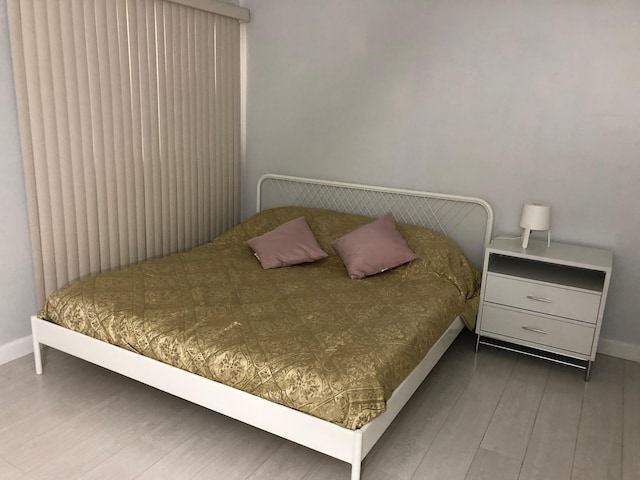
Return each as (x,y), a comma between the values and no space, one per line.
(129,115)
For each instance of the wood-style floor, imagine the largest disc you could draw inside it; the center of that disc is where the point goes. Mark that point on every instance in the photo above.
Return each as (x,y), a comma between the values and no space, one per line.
(495,415)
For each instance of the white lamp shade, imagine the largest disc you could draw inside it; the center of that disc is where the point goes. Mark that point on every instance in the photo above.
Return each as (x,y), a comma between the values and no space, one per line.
(535,216)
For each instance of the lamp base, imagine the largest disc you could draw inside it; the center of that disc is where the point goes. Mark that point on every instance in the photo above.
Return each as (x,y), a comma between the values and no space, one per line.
(527,233)
(525,237)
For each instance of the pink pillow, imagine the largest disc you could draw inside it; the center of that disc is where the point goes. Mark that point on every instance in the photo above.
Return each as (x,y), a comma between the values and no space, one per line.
(291,243)
(373,248)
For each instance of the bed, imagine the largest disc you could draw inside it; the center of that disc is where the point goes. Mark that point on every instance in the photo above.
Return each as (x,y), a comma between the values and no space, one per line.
(303,352)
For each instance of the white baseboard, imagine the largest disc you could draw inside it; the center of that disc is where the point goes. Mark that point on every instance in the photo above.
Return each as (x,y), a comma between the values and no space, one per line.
(16,349)
(614,348)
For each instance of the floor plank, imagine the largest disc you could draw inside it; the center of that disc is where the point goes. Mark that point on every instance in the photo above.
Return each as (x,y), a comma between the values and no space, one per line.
(455,445)
(401,449)
(329,468)
(89,438)
(214,437)
(289,462)
(127,463)
(551,448)
(25,385)
(9,472)
(23,428)
(491,465)
(239,459)
(511,425)
(598,453)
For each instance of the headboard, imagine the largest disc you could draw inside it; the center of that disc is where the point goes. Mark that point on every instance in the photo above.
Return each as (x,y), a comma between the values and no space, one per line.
(466,220)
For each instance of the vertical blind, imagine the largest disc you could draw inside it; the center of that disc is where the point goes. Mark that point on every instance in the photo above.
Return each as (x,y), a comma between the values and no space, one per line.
(129,116)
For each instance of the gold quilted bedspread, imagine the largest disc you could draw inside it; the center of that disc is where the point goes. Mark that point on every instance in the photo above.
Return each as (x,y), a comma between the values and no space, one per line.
(307,336)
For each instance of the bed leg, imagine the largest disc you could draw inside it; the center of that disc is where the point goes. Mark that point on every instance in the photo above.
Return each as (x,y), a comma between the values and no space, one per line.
(37,354)
(356,464)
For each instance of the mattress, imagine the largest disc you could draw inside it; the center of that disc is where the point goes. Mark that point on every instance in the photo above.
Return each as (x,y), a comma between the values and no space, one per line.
(307,337)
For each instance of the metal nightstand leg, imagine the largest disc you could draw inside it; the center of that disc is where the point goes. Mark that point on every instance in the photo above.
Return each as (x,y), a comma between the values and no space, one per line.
(588,372)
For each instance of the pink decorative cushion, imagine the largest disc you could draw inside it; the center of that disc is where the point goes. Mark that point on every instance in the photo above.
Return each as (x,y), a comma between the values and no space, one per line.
(373,248)
(289,244)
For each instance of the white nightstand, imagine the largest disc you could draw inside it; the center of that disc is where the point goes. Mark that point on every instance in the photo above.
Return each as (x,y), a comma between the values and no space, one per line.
(544,301)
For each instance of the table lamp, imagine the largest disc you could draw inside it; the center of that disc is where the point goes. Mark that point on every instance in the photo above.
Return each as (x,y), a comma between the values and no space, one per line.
(535,216)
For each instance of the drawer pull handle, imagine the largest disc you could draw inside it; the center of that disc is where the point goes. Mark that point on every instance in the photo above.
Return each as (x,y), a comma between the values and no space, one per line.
(539,299)
(534,329)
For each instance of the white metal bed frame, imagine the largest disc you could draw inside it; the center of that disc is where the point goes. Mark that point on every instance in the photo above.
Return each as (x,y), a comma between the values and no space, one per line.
(442,212)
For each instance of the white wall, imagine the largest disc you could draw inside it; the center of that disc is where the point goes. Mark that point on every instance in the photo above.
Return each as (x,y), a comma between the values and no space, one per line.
(17,291)
(509,100)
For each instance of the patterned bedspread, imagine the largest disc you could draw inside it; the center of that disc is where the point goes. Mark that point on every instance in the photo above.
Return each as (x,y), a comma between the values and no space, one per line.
(307,336)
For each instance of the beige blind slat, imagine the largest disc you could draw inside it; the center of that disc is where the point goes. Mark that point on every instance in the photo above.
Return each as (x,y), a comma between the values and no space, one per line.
(163,192)
(129,119)
(129,168)
(79,215)
(119,188)
(180,105)
(84,132)
(156,159)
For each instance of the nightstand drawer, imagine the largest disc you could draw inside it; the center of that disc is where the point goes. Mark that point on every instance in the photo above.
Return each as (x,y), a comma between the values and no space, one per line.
(537,297)
(540,330)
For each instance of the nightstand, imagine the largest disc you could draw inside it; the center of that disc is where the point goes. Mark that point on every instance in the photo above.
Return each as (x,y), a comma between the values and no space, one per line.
(544,301)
